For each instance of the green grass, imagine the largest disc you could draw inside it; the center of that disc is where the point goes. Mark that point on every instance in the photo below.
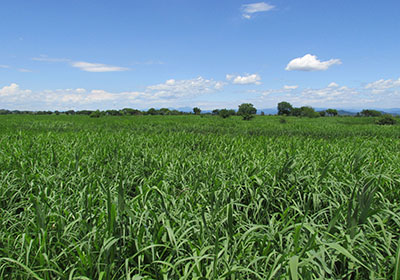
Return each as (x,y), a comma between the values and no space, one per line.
(190,197)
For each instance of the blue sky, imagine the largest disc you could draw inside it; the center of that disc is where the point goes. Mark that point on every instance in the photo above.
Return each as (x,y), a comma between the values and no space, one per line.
(87,54)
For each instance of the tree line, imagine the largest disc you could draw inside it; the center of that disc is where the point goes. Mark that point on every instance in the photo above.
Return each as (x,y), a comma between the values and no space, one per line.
(245,110)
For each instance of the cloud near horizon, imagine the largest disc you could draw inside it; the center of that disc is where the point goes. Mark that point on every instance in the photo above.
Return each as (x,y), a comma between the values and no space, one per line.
(169,93)
(249,9)
(182,93)
(310,63)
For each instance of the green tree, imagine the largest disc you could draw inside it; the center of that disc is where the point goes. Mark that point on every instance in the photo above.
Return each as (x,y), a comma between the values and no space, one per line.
(332,112)
(225,113)
(370,113)
(95,114)
(247,111)
(152,111)
(284,108)
(196,110)
(309,112)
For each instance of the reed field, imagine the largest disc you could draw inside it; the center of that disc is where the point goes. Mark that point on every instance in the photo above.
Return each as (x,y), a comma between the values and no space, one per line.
(198,197)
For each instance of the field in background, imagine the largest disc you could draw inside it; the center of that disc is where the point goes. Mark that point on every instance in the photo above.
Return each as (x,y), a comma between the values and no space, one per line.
(190,197)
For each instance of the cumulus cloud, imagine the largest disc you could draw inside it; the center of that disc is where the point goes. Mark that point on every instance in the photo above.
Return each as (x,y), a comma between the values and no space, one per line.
(183,88)
(171,92)
(333,84)
(290,87)
(249,9)
(244,80)
(310,63)
(97,67)
(383,85)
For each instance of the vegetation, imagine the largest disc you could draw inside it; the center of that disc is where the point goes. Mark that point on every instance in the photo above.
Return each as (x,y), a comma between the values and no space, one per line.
(159,197)
(246,111)
(196,110)
(225,113)
(386,120)
(370,113)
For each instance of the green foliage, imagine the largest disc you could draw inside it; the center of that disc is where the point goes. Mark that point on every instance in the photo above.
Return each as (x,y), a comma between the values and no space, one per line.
(247,111)
(332,112)
(95,114)
(284,108)
(308,112)
(370,113)
(183,197)
(196,111)
(386,120)
(225,113)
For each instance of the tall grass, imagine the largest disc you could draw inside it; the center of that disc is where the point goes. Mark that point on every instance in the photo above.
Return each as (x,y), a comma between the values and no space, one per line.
(198,198)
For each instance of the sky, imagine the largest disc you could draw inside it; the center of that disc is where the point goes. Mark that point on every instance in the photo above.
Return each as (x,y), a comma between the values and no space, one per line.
(97,54)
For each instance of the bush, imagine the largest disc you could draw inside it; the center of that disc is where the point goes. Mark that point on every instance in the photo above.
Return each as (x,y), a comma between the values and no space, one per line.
(386,120)
(282,120)
(95,114)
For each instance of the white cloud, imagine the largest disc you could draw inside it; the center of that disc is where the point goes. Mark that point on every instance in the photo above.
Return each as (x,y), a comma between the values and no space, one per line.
(383,85)
(244,80)
(310,63)
(333,84)
(249,9)
(13,93)
(97,67)
(171,93)
(290,87)
(184,88)
(4,66)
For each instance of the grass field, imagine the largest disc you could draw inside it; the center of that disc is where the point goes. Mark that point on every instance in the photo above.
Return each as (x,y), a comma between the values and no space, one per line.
(190,197)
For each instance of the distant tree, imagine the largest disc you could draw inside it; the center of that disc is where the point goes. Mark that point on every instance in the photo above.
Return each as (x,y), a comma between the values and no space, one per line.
(262,113)
(284,108)
(332,112)
(84,112)
(130,112)
(70,112)
(196,110)
(175,112)
(5,112)
(215,112)
(247,111)
(95,114)
(152,111)
(370,113)
(309,112)
(387,119)
(296,112)
(113,113)
(322,113)
(225,113)
(164,111)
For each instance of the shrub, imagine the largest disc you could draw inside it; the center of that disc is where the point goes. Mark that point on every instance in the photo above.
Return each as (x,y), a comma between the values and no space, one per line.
(95,114)
(386,120)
